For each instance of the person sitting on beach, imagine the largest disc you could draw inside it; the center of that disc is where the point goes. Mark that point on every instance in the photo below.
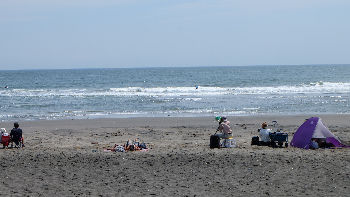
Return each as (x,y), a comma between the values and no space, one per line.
(264,134)
(314,144)
(16,134)
(224,128)
(322,143)
(132,145)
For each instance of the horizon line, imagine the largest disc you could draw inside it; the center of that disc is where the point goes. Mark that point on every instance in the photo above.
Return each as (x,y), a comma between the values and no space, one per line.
(146,67)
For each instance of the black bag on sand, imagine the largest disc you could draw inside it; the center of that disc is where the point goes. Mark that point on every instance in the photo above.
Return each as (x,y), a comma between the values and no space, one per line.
(255,140)
(214,141)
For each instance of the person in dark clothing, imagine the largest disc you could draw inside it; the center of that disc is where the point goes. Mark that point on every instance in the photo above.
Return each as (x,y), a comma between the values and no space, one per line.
(16,134)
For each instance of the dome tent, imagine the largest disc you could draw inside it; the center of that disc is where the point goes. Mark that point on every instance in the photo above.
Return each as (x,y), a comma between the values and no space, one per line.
(313,128)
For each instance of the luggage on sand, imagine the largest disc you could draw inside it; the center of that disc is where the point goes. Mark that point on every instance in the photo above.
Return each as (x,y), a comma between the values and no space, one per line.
(214,141)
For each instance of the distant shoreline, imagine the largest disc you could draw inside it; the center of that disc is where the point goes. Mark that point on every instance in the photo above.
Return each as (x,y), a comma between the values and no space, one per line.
(185,116)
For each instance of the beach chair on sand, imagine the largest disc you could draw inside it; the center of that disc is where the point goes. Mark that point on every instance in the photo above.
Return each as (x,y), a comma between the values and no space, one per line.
(18,144)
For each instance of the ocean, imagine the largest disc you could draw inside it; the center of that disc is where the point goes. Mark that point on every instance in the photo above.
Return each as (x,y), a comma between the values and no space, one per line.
(188,92)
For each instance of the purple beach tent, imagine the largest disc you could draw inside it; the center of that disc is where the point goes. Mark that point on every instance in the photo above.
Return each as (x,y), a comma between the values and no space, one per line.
(313,128)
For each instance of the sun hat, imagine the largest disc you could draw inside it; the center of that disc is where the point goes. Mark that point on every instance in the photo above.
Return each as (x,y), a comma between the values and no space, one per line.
(218,118)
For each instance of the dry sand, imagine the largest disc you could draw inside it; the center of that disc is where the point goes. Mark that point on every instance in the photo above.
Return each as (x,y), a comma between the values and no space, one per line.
(66,158)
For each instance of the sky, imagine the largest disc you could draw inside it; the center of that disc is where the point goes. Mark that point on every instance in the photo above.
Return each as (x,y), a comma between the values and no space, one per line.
(51,34)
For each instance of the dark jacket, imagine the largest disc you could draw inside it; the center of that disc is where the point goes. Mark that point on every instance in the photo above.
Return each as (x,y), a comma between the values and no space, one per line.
(16,134)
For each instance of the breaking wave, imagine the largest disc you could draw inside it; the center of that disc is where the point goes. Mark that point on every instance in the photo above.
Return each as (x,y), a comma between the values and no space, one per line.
(317,88)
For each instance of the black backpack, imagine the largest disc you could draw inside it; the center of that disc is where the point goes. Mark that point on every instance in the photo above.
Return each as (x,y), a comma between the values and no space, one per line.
(214,141)
(255,140)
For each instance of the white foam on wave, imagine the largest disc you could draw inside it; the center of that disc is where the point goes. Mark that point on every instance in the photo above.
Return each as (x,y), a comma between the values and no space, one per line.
(169,91)
(192,92)
(324,87)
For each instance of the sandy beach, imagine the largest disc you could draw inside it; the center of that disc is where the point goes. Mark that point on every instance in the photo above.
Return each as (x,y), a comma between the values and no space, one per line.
(67,158)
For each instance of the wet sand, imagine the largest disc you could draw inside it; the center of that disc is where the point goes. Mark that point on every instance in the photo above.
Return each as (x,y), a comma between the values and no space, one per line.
(66,158)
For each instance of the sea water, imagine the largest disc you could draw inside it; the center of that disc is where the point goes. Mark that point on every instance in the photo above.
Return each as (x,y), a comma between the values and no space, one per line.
(153,92)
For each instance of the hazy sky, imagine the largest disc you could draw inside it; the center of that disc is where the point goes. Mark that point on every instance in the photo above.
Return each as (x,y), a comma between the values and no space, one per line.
(137,33)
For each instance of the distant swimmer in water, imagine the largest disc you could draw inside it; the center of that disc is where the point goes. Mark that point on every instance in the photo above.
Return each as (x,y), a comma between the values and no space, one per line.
(6,87)
(197,87)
